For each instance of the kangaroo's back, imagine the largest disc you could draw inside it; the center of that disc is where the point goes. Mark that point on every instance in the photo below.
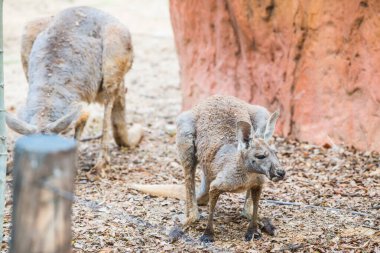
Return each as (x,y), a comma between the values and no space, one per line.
(215,122)
(83,20)
(68,53)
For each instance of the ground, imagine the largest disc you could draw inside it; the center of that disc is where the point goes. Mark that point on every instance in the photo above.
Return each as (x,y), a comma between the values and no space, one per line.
(108,217)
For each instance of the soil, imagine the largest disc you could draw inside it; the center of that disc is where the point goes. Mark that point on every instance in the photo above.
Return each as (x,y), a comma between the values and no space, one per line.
(341,184)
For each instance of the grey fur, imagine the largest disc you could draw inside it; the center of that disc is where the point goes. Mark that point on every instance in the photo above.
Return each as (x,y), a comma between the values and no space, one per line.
(78,56)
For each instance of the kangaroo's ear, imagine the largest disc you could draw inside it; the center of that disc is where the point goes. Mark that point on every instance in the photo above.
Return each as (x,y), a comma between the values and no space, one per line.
(244,134)
(271,124)
(64,122)
(19,126)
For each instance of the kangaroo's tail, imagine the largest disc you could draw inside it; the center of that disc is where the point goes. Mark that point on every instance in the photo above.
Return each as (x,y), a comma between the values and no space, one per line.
(161,190)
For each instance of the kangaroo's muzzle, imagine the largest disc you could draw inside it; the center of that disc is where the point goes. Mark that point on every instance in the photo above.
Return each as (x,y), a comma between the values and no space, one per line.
(276,175)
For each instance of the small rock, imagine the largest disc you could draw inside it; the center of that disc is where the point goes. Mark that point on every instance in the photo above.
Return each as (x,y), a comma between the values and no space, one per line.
(375,174)
(170,129)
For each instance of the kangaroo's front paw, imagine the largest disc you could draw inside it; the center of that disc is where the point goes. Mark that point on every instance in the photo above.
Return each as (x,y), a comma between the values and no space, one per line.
(207,237)
(267,227)
(101,166)
(252,233)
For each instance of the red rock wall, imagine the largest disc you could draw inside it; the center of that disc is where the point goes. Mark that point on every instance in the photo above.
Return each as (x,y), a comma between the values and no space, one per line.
(319,61)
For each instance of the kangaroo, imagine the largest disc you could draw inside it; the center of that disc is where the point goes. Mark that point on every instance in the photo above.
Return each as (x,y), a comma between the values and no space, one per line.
(78,56)
(228,139)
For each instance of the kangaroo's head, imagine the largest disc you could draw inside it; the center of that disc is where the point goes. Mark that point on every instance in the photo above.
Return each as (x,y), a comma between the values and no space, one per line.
(43,123)
(256,154)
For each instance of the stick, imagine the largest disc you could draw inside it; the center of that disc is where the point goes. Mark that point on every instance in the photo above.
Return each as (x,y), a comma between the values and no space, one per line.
(282,203)
(91,138)
(291,247)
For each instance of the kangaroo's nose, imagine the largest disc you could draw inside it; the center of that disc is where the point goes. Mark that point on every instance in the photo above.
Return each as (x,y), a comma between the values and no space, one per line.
(281,173)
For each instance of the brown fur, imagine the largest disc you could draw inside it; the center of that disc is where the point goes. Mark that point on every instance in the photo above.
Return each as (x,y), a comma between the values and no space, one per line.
(79,55)
(227,138)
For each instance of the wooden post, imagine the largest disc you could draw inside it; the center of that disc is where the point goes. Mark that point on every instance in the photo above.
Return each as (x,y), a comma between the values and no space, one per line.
(44,171)
(3,144)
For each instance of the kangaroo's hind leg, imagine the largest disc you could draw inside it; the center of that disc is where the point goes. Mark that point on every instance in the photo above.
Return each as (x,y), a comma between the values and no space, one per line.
(187,155)
(123,136)
(208,234)
(119,125)
(117,58)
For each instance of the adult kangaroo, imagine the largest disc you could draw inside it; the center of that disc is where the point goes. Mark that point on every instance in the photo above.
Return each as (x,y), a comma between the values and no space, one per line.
(78,56)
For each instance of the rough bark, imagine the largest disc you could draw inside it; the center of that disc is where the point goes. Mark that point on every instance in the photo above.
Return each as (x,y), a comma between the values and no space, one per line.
(3,134)
(315,60)
(43,175)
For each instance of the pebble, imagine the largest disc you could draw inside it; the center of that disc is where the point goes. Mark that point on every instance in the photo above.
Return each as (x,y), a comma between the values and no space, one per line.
(170,129)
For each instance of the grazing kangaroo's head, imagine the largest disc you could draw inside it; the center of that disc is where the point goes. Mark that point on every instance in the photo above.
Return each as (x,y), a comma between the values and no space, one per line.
(45,121)
(257,155)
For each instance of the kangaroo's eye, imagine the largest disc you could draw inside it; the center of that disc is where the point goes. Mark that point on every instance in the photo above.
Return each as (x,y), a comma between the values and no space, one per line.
(260,157)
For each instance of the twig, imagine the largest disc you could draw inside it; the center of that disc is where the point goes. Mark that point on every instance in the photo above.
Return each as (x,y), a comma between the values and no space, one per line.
(292,247)
(371,227)
(91,138)
(284,203)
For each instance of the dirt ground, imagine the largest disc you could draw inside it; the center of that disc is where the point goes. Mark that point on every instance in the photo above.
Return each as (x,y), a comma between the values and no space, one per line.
(108,217)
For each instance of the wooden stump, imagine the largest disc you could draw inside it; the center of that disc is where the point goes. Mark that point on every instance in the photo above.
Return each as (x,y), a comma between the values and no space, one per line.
(44,171)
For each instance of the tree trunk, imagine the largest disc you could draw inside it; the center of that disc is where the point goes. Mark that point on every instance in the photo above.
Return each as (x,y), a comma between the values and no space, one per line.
(3,143)
(317,61)
(44,171)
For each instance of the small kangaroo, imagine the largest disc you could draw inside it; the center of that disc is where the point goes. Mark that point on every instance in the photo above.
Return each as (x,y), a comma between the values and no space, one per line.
(79,55)
(228,139)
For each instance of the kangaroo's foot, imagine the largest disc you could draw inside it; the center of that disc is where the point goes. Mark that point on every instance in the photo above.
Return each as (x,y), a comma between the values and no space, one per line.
(208,236)
(267,227)
(252,233)
(100,168)
(191,218)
